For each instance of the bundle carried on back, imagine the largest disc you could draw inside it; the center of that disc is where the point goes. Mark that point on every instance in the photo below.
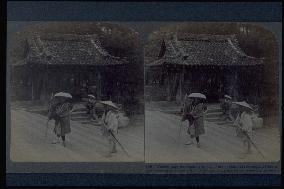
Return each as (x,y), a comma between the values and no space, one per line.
(58,107)
(53,103)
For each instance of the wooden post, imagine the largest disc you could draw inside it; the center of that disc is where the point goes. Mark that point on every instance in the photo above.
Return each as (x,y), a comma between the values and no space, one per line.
(99,85)
(45,84)
(168,85)
(235,86)
(32,83)
(32,88)
(181,78)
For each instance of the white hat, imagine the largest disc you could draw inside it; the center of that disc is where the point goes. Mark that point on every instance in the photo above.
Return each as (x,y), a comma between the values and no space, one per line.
(91,96)
(109,103)
(244,104)
(197,95)
(62,94)
(227,96)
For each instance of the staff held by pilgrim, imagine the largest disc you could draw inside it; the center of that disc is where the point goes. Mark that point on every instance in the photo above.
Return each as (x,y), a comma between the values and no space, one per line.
(60,108)
(194,113)
(109,126)
(244,125)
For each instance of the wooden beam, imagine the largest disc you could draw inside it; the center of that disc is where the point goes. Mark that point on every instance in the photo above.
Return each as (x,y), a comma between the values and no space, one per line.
(32,84)
(99,77)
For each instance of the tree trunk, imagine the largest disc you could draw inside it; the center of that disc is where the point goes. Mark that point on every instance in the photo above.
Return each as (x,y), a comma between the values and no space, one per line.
(32,86)
(44,94)
(168,86)
(175,85)
(39,88)
(99,77)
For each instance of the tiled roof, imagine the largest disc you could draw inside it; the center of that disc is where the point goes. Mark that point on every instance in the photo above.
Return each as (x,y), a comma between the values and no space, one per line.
(59,49)
(204,50)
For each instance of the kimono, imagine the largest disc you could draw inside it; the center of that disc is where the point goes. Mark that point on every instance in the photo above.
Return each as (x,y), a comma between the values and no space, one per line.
(195,119)
(198,115)
(244,123)
(226,107)
(62,119)
(110,124)
(90,105)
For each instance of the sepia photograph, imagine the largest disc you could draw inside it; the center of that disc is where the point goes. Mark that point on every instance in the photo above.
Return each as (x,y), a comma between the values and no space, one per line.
(134,93)
(211,93)
(76,92)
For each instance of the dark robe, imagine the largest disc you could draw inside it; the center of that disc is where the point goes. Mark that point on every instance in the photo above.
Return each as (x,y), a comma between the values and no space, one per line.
(195,117)
(62,119)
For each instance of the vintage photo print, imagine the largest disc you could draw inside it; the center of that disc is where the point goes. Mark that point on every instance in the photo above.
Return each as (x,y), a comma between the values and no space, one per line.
(210,89)
(76,92)
(212,94)
(143,93)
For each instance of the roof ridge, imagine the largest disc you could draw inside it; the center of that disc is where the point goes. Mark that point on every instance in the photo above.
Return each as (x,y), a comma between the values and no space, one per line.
(45,47)
(93,38)
(239,50)
(205,37)
(230,38)
(66,36)
(102,50)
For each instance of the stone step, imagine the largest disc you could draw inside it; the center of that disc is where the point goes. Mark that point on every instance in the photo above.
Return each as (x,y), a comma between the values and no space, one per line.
(78,114)
(93,123)
(214,119)
(214,114)
(213,110)
(80,118)
(230,124)
(79,110)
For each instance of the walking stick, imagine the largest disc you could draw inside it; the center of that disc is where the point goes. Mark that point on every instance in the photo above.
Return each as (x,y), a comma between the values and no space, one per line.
(180,125)
(123,149)
(46,129)
(254,145)
(179,132)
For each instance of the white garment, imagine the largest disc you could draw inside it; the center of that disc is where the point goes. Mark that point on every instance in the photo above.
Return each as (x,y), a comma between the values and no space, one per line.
(257,121)
(244,121)
(123,120)
(111,121)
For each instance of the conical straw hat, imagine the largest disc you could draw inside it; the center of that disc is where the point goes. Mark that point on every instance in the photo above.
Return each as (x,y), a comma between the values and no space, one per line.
(244,104)
(91,96)
(109,103)
(197,95)
(227,96)
(62,94)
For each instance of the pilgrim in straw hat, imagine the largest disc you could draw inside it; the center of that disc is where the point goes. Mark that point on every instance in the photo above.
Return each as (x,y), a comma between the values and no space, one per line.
(110,125)
(244,126)
(195,116)
(59,109)
(226,107)
(90,105)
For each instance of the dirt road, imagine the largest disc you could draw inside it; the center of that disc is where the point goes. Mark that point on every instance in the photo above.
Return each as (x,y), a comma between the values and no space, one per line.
(84,143)
(218,144)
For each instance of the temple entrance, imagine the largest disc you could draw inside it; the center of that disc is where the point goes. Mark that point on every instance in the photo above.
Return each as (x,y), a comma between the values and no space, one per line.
(211,82)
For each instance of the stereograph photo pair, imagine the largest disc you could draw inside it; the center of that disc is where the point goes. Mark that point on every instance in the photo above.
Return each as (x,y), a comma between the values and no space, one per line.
(109,92)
